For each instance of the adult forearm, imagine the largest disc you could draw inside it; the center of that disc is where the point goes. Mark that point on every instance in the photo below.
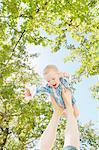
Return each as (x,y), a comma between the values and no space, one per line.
(48,138)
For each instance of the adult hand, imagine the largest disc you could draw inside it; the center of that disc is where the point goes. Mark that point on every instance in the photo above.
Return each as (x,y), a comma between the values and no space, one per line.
(58,109)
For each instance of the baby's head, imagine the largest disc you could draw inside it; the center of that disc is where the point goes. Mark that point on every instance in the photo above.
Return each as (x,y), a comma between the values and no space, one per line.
(51,75)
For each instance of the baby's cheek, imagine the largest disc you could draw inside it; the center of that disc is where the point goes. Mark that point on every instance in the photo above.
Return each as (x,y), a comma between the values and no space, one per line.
(49,84)
(58,82)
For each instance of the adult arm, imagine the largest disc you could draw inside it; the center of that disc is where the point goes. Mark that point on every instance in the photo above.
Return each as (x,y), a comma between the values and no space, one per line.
(71,133)
(49,135)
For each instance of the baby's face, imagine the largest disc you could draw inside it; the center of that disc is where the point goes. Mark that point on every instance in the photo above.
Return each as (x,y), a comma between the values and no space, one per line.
(53,79)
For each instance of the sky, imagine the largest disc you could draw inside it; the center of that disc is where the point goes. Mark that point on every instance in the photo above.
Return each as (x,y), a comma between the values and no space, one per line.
(86,103)
(84,100)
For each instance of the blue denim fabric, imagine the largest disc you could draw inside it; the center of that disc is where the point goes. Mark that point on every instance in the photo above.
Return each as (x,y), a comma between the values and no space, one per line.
(57,94)
(69,148)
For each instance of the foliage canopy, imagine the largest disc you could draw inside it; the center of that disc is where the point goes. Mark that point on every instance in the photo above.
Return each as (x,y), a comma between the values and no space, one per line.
(23,22)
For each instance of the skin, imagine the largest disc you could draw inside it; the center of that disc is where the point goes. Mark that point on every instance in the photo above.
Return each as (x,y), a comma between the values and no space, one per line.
(53,81)
(71,133)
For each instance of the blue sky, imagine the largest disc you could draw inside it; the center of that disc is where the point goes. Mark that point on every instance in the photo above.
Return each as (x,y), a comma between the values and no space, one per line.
(86,103)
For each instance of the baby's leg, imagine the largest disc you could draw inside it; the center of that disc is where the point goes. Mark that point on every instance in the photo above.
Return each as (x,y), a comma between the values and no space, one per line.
(64,113)
(76,110)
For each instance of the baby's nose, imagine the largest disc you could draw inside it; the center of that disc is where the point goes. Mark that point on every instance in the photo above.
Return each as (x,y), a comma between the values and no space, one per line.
(52,82)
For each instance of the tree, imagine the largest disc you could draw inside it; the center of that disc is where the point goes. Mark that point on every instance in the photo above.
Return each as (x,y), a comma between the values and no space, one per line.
(22,22)
(27,19)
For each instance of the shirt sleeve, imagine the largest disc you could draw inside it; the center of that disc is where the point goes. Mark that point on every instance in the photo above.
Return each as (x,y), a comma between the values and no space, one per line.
(41,89)
(67,84)
(36,90)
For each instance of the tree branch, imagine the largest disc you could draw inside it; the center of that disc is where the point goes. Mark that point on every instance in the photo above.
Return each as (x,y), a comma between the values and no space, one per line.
(18,41)
(6,132)
(13,50)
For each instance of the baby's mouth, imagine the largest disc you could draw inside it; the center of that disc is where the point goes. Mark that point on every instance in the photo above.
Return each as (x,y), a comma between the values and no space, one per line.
(55,85)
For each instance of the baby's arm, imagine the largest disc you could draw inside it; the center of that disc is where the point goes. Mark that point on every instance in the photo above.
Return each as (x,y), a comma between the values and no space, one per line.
(31,91)
(76,110)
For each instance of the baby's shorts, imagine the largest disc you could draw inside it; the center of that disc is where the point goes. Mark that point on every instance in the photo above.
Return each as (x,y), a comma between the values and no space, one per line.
(66,148)
(69,148)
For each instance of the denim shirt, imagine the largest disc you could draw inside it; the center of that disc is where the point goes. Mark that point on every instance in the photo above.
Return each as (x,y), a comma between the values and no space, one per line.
(57,92)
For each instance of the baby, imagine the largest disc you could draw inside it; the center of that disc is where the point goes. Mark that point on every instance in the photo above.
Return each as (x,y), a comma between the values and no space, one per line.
(55,82)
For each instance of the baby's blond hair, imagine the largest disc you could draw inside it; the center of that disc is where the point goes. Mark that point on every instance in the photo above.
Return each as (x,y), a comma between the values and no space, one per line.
(49,68)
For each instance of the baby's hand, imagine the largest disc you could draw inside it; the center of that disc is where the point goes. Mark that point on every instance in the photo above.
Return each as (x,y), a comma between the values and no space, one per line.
(27,92)
(64,74)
